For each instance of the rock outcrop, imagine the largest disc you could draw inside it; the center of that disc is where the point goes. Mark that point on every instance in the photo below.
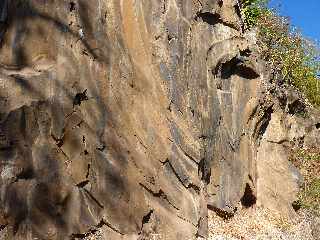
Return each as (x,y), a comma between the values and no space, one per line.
(136,117)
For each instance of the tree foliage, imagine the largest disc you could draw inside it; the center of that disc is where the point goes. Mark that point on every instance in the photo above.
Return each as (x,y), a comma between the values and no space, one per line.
(252,10)
(293,58)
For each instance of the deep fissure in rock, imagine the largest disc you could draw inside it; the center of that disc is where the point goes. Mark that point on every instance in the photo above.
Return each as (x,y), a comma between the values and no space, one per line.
(204,171)
(147,217)
(59,141)
(91,196)
(72,6)
(265,121)
(82,184)
(94,230)
(88,170)
(248,199)
(159,194)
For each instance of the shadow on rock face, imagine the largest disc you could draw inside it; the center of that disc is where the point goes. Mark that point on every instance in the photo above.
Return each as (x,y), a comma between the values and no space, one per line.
(20,16)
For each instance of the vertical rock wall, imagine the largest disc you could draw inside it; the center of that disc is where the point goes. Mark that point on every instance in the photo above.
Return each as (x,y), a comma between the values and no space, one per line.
(135,116)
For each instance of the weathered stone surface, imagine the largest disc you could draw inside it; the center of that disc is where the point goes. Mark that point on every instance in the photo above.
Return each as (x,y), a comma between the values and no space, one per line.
(134,117)
(274,169)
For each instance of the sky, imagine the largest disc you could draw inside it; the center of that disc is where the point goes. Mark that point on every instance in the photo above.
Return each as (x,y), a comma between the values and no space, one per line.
(303,14)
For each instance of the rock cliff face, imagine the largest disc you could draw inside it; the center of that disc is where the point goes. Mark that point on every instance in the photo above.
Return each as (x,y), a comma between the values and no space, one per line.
(136,116)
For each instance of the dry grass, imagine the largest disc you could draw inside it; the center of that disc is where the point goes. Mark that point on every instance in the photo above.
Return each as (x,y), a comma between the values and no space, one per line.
(259,224)
(308,162)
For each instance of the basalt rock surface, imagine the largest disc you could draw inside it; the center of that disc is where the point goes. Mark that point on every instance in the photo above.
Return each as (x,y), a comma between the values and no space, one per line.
(136,116)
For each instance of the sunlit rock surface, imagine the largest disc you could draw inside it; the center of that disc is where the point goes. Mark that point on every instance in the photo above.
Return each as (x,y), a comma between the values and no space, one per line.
(135,117)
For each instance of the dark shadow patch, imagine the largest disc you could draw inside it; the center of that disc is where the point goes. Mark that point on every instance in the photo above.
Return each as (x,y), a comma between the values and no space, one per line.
(72,6)
(318,126)
(237,66)
(17,13)
(221,213)
(297,108)
(88,170)
(3,10)
(94,230)
(264,122)
(81,235)
(19,56)
(20,11)
(23,83)
(296,205)
(85,53)
(59,141)
(213,19)
(48,201)
(45,200)
(3,29)
(18,209)
(80,97)
(194,187)
(91,195)
(82,184)
(26,174)
(160,194)
(3,227)
(248,199)
(102,148)
(145,220)
(208,18)
(250,178)
(147,217)
(204,170)
(89,233)
(246,72)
